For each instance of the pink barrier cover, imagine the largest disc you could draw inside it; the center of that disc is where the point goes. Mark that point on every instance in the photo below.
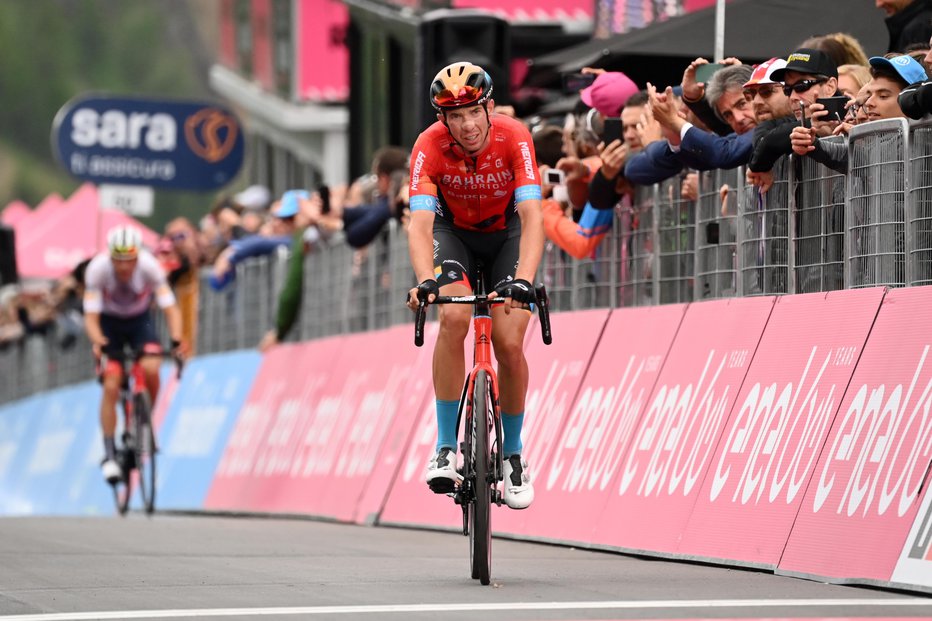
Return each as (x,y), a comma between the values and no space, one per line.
(415,394)
(756,479)
(572,482)
(378,369)
(661,460)
(865,491)
(409,500)
(556,372)
(265,446)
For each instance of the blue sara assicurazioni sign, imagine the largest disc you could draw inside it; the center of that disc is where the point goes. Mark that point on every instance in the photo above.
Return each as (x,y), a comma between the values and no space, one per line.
(171,144)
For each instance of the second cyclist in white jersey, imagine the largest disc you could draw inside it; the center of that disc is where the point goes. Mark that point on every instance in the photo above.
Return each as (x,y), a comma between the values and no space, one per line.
(120,285)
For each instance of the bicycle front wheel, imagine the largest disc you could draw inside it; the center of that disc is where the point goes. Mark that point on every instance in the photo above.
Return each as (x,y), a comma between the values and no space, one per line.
(480,509)
(145,450)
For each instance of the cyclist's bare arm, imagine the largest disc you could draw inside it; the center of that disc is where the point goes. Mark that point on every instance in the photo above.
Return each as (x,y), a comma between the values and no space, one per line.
(173,317)
(94,333)
(421,249)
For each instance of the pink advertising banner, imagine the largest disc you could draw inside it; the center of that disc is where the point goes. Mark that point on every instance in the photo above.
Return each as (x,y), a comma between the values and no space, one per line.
(410,501)
(408,398)
(662,463)
(757,476)
(266,445)
(572,481)
(866,488)
(556,372)
(321,55)
(342,445)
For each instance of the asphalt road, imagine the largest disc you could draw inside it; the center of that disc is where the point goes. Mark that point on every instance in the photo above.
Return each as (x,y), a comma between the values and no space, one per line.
(182,567)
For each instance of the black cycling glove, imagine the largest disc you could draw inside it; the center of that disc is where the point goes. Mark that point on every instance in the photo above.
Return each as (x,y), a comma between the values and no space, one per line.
(426,288)
(519,290)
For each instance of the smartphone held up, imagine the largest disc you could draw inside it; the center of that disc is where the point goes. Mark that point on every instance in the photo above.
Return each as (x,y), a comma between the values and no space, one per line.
(611,130)
(575,82)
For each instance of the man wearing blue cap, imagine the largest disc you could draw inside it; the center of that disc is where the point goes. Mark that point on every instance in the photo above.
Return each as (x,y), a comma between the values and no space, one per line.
(278,233)
(889,76)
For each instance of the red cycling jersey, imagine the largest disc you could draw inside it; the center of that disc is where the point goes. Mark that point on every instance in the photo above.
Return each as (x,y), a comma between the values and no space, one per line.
(477,193)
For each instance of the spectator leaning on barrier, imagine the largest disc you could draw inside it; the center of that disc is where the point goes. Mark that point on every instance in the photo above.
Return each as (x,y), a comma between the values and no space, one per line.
(808,75)
(360,224)
(609,184)
(908,21)
(700,149)
(889,77)
(277,235)
(185,276)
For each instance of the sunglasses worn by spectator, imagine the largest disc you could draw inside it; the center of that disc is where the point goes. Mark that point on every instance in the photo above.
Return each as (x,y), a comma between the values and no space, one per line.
(178,236)
(766,91)
(801,86)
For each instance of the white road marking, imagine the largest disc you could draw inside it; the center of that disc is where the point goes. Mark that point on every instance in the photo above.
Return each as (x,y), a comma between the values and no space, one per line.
(433,608)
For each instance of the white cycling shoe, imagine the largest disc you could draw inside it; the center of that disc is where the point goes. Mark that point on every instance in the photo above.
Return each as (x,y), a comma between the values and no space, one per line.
(442,476)
(519,493)
(111,471)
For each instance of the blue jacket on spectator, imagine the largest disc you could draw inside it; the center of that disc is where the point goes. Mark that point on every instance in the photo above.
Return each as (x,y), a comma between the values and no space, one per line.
(700,150)
(658,161)
(718,151)
(245,248)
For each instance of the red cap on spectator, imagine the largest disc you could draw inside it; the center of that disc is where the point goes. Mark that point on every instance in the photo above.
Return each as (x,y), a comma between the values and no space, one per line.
(609,93)
(763,73)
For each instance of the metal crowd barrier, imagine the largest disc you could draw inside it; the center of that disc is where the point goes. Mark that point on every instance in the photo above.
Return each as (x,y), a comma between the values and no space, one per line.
(814,230)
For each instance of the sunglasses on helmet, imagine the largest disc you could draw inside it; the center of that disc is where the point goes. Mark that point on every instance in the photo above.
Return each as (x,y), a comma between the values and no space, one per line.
(465,94)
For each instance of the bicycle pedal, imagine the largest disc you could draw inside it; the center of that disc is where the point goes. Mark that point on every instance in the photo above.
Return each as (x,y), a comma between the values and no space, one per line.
(442,486)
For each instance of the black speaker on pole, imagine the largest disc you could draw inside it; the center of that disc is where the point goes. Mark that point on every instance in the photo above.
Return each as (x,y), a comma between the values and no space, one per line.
(8,272)
(446,36)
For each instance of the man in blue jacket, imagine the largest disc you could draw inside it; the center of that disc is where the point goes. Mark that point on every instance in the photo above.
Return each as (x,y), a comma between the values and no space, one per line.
(699,149)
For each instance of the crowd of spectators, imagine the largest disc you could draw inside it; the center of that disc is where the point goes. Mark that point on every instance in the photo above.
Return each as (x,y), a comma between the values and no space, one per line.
(742,115)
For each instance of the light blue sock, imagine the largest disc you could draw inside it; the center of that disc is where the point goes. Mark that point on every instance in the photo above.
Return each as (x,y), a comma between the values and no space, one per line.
(511,429)
(447,412)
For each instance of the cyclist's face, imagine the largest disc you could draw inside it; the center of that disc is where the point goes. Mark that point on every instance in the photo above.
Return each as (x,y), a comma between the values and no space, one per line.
(469,126)
(124,269)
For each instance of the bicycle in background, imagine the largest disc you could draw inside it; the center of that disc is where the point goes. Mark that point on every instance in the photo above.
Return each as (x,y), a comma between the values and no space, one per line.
(483,462)
(139,448)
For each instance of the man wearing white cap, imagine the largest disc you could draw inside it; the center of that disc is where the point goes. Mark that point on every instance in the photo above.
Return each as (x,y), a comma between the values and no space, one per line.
(765,93)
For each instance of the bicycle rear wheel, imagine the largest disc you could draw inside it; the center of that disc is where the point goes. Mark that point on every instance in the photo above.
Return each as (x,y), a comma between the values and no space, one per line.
(480,509)
(145,450)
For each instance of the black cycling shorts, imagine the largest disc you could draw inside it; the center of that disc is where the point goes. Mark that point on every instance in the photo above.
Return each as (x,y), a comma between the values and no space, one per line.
(135,331)
(458,253)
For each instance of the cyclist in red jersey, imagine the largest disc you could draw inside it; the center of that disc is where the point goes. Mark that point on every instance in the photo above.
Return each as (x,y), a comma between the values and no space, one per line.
(475,196)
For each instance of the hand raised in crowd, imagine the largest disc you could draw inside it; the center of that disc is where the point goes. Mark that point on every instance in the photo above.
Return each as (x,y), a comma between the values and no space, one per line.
(803,140)
(577,180)
(648,128)
(663,109)
(693,90)
(763,180)
(613,156)
(690,187)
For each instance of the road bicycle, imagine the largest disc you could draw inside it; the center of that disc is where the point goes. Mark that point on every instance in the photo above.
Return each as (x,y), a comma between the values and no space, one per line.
(483,462)
(139,448)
